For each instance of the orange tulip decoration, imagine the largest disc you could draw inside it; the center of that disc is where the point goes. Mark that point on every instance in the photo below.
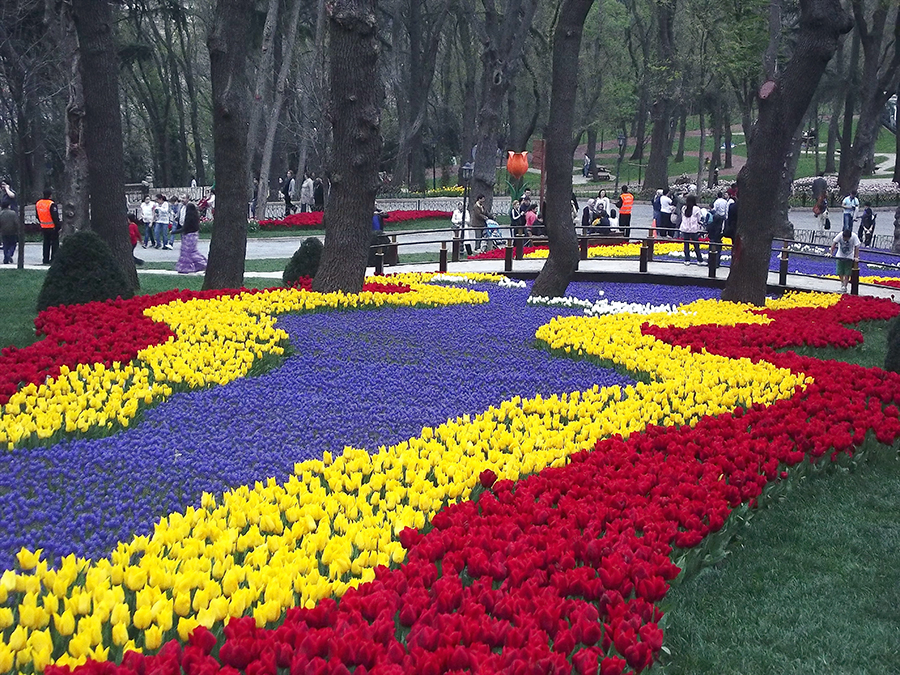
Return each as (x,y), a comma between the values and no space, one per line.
(517,164)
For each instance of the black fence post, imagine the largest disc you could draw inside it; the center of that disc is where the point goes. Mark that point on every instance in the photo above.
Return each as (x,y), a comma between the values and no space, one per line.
(507,262)
(644,257)
(584,248)
(379,261)
(712,258)
(783,267)
(443,258)
(854,278)
(454,253)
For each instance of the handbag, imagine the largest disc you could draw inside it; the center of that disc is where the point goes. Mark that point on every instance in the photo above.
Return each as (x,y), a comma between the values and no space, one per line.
(827,224)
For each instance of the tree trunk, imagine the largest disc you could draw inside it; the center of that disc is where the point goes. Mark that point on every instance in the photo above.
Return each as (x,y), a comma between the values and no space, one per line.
(729,163)
(661,110)
(501,59)
(103,129)
(563,259)
(592,149)
(75,211)
(356,123)
(274,115)
(702,149)
(228,44)
(896,177)
(715,159)
(470,103)
(879,79)
(682,133)
(262,92)
(830,163)
(640,127)
(896,247)
(782,107)
(187,51)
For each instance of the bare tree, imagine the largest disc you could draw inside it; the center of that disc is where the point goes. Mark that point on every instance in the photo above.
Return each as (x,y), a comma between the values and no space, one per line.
(663,105)
(502,34)
(563,259)
(783,102)
(75,212)
(94,25)
(878,81)
(353,165)
(228,45)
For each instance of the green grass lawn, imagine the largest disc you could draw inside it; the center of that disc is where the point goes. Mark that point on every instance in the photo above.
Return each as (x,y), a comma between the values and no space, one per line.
(813,584)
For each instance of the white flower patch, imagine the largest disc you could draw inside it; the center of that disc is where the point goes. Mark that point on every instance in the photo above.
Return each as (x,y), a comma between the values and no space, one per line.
(506,282)
(452,279)
(604,306)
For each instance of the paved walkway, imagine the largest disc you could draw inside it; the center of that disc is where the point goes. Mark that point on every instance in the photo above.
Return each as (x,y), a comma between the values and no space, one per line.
(602,269)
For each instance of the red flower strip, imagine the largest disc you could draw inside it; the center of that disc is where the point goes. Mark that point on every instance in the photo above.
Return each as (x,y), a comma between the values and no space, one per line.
(563,570)
(314,219)
(95,332)
(305,284)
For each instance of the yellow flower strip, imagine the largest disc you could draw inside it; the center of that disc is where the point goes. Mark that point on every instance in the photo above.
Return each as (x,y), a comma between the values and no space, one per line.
(216,341)
(630,250)
(264,549)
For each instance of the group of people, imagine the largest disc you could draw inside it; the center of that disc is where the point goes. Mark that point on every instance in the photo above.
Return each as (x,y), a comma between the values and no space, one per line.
(599,214)
(309,192)
(677,215)
(850,211)
(162,219)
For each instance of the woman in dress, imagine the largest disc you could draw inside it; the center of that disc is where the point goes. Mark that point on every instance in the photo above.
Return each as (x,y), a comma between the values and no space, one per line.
(190,259)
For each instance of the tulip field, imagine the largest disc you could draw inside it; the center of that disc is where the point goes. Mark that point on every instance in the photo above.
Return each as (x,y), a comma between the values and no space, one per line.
(435,475)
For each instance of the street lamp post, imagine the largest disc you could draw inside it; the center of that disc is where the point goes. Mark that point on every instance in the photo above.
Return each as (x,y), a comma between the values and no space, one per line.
(467,170)
(621,141)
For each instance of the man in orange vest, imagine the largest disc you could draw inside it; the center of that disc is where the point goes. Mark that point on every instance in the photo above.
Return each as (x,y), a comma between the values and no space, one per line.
(625,202)
(48,217)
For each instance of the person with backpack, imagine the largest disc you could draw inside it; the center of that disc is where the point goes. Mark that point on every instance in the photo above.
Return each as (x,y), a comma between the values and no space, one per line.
(48,218)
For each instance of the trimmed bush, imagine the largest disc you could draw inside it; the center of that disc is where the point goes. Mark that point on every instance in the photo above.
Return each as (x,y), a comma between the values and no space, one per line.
(84,270)
(892,359)
(304,262)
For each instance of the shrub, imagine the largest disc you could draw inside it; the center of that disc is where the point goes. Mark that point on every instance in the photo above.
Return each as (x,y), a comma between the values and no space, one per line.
(84,270)
(304,262)
(892,359)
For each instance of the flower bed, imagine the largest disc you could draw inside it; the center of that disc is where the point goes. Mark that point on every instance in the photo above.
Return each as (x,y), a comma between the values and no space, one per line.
(297,221)
(560,563)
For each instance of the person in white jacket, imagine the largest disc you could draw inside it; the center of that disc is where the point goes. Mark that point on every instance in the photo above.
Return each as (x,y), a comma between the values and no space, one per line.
(306,194)
(456,222)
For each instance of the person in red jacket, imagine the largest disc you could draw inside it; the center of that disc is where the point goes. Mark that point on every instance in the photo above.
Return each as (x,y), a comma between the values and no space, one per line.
(135,233)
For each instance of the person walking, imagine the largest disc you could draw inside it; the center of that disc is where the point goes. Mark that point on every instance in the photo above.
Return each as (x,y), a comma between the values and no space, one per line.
(9,231)
(8,197)
(625,202)
(666,209)
(48,218)
(690,229)
(820,199)
(480,216)
(850,206)
(190,259)
(656,225)
(867,225)
(318,194)
(719,215)
(288,186)
(160,221)
(306,194)
(460,222)
(845,247)
(147,221)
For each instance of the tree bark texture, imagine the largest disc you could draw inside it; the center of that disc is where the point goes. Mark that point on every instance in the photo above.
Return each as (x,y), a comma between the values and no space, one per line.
(261,98)
(469,94)
(662,107)
(228,45)
(563,258)
(356,126)
(75,204)
(783,103)
(103,129)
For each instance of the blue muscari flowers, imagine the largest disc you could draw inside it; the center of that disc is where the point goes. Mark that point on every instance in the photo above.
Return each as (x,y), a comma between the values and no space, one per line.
(361,378)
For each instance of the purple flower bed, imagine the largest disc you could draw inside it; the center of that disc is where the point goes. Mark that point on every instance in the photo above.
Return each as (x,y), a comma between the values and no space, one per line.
(363,378)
